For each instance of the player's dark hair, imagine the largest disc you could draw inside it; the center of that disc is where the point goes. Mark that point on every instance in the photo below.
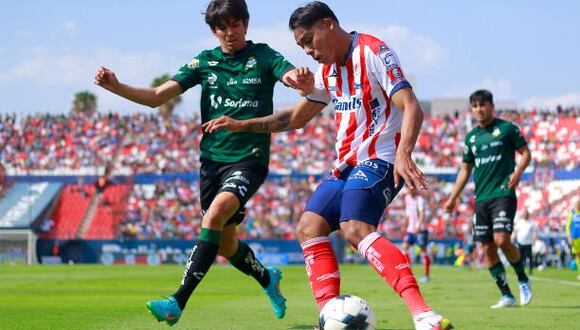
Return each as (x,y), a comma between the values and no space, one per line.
(309,14)
(481,96)
(219,11)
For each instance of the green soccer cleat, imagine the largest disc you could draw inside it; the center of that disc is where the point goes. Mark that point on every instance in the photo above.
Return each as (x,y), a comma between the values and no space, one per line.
(273,291)
(165,310)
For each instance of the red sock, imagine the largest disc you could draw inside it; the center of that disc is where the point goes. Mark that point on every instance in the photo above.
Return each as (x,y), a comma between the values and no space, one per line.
(393,267)
(427,263)
(322,269)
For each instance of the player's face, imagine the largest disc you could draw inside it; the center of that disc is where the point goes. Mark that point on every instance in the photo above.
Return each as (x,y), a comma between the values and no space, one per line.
(232,35)
(483,112)
(316,41)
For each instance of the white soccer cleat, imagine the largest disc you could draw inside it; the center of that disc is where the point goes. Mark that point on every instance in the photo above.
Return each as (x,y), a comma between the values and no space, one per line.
(431,321)
(525,293)
(505,301)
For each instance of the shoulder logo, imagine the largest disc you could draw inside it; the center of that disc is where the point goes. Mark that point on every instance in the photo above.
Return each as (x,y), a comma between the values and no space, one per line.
(496,132)
(251,63)
(212,63)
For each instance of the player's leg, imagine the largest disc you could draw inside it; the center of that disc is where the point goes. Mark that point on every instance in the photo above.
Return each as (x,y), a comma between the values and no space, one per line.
(483,233)
(408,241)
(368,190)
(319,219)
(503,211)
(422,240)
(576,253)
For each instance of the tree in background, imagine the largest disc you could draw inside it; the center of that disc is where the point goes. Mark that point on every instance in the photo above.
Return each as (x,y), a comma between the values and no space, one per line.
(84,102)
(166,109)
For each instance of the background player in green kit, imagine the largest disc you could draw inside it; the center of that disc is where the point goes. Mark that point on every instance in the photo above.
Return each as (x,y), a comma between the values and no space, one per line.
(490,148)
(237,79)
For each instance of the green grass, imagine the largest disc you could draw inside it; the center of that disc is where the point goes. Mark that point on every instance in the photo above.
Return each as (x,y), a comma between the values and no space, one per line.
(100,297)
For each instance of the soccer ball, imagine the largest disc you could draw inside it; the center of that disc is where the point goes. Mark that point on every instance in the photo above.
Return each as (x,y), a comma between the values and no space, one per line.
(347,312)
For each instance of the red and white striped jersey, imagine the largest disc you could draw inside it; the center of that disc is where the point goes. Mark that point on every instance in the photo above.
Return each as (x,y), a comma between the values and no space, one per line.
(367,126)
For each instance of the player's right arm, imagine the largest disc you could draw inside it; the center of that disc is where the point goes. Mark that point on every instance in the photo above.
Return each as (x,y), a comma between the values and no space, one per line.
(152,97)
(280,121)
(460,182)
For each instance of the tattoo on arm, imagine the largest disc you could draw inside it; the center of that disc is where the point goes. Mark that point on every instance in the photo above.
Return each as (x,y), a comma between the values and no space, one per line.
(274,123)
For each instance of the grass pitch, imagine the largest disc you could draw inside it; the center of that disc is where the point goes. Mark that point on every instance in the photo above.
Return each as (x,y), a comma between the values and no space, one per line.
(101,297)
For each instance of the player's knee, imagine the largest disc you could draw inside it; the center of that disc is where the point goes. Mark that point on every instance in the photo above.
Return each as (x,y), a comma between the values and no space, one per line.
(502,241)
(309,228)
(355,231)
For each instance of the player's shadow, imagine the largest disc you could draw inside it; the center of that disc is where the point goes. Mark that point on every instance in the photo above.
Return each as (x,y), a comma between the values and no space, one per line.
(310,327)
(552,307)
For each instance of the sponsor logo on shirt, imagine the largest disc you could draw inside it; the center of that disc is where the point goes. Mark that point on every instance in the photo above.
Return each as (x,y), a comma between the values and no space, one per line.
(252,81)
(389,59)
(486,160)
(216,101)
(333,74)
(395,75)
(212,63)
(212,78)
(348,104)
(232,81)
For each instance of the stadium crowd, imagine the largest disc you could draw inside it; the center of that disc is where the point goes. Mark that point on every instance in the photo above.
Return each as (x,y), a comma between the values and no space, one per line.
(150,144)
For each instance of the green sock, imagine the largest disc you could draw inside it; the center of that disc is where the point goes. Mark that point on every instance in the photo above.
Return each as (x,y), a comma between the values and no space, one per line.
(520,270)
(200,260)
(498,273)
(245,260)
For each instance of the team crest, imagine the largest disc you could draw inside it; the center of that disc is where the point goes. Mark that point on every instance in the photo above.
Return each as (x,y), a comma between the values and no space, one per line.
(496,132)
(251,63)
(194,64)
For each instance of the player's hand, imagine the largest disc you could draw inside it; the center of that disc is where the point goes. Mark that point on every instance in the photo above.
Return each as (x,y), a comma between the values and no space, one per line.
(301,79)
(450,204)
(514,181)
(106,79)
(223,122)
(406,168)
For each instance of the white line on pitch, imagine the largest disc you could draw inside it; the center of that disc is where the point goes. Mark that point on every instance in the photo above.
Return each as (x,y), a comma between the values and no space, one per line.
(555,281)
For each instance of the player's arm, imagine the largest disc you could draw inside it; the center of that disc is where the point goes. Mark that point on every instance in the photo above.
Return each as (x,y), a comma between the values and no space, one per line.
(152,97)
(405,167)
(280,121)
(569,227)
(460,182)
(525,159)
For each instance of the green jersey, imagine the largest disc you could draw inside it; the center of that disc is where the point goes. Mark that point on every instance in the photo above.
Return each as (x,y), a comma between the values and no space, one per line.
(492,152)
(239,86)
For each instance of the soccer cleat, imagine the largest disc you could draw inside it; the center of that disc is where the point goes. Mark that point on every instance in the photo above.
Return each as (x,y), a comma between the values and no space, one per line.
(273,291)
(165,310)
(431,321)
(505,301)
(525,293)
(425,279)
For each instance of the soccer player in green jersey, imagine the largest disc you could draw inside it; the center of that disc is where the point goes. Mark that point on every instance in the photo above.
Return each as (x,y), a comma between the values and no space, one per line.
(237,79)
(490,152)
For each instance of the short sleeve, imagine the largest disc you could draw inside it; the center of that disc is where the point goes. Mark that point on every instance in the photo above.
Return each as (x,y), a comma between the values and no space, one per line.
(319,94)
(280,64)
(516,137)
(188,75)
(468,156)
(386,66)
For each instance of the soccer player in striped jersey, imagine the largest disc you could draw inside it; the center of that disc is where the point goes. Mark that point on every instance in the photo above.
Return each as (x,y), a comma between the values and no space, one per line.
(361,77)
(416,232)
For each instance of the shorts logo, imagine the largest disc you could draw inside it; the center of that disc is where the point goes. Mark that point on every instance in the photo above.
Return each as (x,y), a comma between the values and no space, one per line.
(360,175)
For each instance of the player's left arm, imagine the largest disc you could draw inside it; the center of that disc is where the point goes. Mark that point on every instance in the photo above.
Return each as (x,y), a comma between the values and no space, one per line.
(405,166)
(525,159)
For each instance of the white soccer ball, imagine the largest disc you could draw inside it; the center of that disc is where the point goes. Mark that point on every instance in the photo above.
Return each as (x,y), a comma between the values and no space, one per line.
(347,312)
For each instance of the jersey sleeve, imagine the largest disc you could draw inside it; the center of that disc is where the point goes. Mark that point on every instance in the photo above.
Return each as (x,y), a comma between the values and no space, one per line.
(280,65)
(319,94)
(468,156)
(188,75)
(387,68)
(516,137)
